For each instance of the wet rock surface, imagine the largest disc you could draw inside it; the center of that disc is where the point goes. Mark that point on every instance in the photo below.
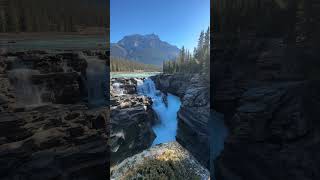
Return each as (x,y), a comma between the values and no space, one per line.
(193,116)
(57,136)
(132,118)
(163,161)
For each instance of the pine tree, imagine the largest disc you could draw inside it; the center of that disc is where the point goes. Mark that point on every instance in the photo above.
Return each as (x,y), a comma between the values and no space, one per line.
(199,51)
(198,62)
(206,51)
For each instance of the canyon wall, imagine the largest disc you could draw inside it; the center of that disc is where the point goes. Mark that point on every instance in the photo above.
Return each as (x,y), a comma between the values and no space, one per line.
(270,103)
(193,116)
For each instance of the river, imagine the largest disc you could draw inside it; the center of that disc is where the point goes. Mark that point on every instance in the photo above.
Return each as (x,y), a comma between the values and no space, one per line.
(166,129)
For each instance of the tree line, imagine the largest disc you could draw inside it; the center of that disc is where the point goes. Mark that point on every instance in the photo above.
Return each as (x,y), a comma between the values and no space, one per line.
(118,64)
(197,62)
(52,15)
(296,22)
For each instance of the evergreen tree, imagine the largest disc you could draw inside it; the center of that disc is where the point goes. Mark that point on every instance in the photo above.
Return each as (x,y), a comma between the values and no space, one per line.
(52,15)
(198,62)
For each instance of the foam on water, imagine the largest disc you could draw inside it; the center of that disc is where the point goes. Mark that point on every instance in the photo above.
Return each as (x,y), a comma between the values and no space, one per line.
(117,88)
(167,128)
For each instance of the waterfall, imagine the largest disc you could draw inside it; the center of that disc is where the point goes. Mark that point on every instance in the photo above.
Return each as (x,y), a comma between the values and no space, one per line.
(26,93)
(96,81)
(116,87)
(167,128)
(65,67)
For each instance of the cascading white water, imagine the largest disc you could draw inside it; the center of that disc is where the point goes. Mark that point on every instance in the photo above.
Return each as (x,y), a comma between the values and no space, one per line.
(116,87)
(65,67)
(27,94)
(96,81)
(167,128)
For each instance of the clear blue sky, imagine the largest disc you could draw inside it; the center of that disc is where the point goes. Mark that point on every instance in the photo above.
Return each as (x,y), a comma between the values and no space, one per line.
(179,22)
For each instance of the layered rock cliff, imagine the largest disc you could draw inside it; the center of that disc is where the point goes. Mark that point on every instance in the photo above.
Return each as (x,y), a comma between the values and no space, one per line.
(270,106)
(163,161)
(47,129)
(132,118)
(194,113)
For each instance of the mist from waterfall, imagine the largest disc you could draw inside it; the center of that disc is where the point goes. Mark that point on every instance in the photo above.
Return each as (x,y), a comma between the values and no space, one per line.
(167,128)
(26,93)
(96,81)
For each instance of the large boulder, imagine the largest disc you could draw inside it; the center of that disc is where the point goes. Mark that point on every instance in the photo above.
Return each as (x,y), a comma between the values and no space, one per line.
(163,161)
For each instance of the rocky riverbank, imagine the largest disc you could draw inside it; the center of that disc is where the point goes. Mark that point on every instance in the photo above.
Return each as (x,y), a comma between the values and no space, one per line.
(271,109)
(194,113)
(131,117)
(49,129)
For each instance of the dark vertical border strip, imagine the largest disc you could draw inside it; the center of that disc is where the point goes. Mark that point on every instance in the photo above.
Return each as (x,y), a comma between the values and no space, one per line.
(108,86)
(210,123)
(212,30)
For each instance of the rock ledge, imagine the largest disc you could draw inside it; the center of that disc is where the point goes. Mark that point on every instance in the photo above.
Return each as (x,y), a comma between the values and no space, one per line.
(168,157)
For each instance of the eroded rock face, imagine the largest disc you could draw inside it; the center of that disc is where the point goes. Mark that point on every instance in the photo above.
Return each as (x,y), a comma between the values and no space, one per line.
(58,138)
(270,110)
(122,86)
(61,75)
(163,161)
(60,88)
(132,118)
(57,141)
(175,84)
(274,128)
(194,113)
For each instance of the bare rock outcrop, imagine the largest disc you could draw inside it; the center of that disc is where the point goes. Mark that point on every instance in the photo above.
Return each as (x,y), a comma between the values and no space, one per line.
(163,161)
(132,118)
(47,130)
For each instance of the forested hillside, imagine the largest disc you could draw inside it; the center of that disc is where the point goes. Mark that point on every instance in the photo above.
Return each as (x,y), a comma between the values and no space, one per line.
(52,15)
(124,65)
(186,62)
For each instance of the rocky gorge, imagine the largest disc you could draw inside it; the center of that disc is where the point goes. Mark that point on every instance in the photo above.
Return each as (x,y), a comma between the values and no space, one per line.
(270,103)
(133,139)
(194,114)
(50,128)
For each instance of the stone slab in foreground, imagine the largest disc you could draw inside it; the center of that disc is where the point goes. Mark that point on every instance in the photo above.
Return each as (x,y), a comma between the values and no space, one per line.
(163,161)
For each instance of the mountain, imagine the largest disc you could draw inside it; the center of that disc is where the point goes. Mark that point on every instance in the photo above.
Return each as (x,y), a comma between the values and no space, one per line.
(148,49)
